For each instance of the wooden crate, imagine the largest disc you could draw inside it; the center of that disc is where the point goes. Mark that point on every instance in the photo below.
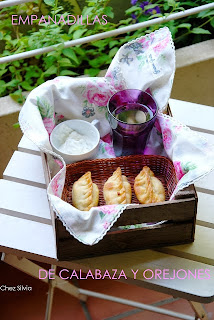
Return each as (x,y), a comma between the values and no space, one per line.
(180,215)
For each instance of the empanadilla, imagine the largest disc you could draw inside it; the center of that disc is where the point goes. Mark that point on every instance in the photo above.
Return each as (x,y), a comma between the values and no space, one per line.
(85,193)
(148,188)
(117,189)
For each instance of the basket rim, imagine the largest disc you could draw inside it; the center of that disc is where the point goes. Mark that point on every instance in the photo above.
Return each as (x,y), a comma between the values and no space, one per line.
(122,157)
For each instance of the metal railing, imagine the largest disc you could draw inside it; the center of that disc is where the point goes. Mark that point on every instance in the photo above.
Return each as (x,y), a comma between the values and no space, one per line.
(10,3)
(103,35)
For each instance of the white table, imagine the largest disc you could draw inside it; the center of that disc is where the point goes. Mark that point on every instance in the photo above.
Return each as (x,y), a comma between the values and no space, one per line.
(26,228)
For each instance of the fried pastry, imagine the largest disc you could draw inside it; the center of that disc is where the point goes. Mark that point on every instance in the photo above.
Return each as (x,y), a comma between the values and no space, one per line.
(148,188)
(128,189)
(85,193)
(117,189)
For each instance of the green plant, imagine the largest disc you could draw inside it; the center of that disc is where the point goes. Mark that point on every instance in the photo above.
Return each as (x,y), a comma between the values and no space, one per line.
(89,58)
(185,31)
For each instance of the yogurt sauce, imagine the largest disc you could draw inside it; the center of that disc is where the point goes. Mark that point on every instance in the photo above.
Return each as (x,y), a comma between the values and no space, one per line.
(72,142)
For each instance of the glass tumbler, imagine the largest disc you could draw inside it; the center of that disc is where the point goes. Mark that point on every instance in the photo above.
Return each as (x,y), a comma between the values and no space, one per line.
(131,114)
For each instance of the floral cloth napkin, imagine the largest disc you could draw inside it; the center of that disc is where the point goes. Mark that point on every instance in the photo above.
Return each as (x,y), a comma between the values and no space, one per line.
(147,63)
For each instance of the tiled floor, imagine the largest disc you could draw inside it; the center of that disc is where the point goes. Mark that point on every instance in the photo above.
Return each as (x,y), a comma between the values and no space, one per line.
(31,305)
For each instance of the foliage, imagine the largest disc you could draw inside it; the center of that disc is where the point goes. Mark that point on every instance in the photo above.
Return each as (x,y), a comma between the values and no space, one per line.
(185,31)
(89,58)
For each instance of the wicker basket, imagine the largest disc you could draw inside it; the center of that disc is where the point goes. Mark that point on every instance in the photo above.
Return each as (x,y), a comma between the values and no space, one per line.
(102,169)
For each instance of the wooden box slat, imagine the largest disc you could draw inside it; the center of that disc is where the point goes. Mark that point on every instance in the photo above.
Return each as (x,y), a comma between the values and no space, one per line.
(126,240)
(170,210)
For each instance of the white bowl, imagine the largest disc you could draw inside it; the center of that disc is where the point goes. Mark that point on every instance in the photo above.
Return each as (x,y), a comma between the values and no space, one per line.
(83,128)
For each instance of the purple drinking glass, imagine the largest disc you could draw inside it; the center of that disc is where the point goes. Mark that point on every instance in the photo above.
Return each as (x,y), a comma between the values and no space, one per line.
(132,114)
